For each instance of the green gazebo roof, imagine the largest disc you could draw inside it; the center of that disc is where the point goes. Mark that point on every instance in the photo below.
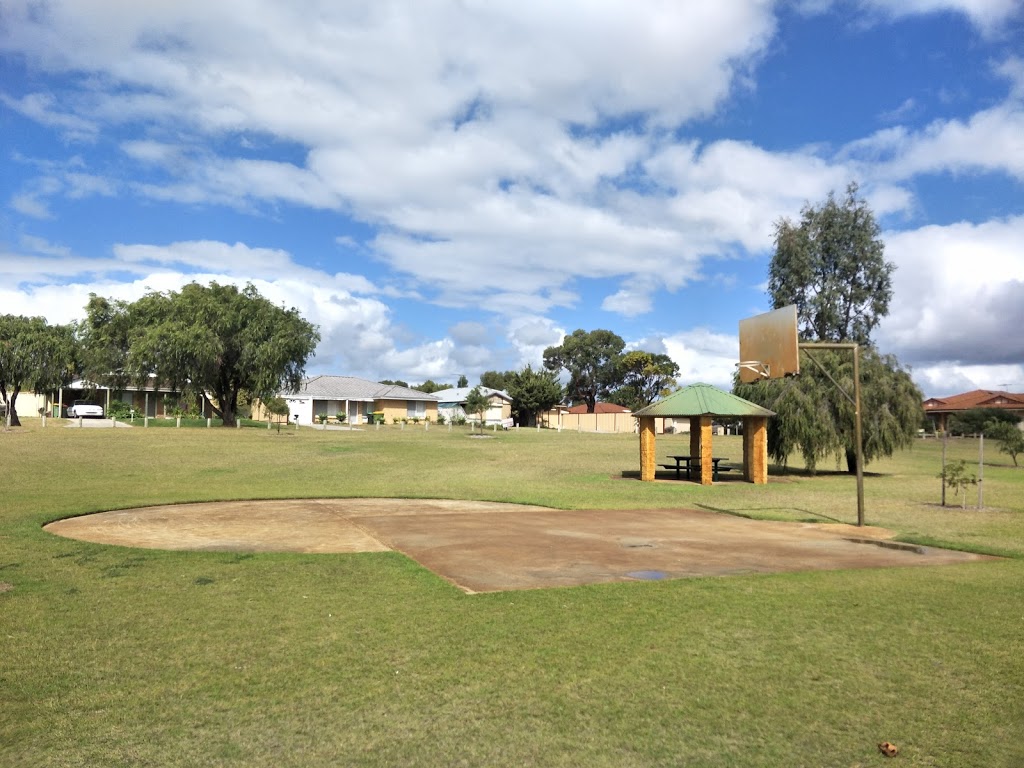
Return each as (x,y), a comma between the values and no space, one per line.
(703,400)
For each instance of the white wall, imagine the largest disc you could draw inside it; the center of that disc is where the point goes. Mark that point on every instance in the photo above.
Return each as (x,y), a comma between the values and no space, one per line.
(301,406)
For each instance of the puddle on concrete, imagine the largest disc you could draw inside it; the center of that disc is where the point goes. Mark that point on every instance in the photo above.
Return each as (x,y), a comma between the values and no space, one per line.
(648,575)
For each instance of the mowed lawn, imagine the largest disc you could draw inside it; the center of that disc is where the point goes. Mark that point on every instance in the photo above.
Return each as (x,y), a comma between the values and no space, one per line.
(127,657)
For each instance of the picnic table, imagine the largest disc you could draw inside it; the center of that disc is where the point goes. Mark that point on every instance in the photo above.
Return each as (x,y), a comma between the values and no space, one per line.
(688,462)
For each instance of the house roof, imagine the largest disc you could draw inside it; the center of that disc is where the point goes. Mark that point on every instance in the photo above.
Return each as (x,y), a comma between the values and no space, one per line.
(352,388)
(703,400)
(600,408)
(459,394)
(978,398)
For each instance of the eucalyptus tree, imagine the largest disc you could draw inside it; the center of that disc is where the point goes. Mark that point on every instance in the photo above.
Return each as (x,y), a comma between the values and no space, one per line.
(643,377)
(591,359)
(832,267)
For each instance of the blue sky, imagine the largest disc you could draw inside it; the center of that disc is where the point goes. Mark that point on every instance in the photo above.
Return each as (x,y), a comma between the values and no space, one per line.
(450,187)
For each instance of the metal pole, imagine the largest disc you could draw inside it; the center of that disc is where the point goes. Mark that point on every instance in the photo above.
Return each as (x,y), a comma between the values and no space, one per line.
(858,436)
(855,400)
(981,468)
(945,437)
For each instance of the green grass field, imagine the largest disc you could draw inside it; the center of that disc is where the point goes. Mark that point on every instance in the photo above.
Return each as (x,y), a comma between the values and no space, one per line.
(127,657)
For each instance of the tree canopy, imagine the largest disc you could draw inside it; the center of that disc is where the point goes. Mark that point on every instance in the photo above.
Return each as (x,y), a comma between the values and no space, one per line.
(533,392)
(34,356)
(643,378)
(976,421)
(832,267)
(430,387)
(477,403)
(216,340)
(496,379)
(1011,439)
(591,359)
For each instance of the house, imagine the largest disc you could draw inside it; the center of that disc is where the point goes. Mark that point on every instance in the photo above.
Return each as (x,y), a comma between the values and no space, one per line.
(357,401)
(452,401)
(940,408)
(153,400)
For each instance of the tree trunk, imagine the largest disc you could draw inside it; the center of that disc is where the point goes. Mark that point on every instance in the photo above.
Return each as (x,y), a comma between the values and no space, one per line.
(851,461)
(12,411)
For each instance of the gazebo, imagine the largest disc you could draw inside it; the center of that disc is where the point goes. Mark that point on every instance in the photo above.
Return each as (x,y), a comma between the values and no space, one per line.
(701,403)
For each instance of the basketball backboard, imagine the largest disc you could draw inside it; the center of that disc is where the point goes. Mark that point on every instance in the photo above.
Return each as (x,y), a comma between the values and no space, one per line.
(769,348)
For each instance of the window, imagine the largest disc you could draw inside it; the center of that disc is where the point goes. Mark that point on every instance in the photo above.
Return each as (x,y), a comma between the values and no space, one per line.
(415,409)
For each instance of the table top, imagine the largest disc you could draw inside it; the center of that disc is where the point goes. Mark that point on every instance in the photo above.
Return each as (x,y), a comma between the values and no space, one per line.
(697,458)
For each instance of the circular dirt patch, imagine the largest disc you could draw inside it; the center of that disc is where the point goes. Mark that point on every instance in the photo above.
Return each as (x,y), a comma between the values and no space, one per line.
(293,525)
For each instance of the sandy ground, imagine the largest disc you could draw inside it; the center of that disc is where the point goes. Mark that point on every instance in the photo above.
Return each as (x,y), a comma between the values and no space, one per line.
(483,547)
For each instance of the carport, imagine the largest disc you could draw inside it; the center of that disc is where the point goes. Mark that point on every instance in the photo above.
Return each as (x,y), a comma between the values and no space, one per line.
(702,403)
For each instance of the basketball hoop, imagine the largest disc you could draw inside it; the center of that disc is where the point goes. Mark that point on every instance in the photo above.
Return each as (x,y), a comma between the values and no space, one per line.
(759,369)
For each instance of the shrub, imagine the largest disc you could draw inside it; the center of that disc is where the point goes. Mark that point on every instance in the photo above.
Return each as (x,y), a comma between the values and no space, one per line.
(119,410)
(956,476)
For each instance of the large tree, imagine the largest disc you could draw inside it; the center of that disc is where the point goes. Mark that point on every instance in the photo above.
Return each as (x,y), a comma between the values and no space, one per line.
(832,266)
(643,377)
(496,379)
(815,419)
(591,359)
(34,356)
(215,340)
(532,393)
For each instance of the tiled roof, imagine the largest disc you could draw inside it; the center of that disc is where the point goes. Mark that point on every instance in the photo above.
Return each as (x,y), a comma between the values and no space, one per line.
(978,398)
(352,388)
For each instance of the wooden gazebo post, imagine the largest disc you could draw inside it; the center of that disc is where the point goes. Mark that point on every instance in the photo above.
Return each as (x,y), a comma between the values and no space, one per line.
(648,459)
(700,445)
(755,449)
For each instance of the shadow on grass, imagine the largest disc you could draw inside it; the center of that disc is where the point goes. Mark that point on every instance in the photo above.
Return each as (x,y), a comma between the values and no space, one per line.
(729,476)
(762,513)
(779,470)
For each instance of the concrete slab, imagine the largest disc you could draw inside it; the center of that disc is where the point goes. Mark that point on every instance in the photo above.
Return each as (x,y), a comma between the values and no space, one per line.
(482,547)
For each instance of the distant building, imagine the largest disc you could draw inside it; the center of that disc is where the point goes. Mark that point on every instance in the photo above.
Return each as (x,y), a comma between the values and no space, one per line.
(452,402)
(940,408)
(357,401)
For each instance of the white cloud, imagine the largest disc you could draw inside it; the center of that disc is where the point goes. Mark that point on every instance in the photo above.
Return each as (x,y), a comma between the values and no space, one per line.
(469,333)
(41,108)
(987,15)
(951,379)
(991,140)
(958,290)
(502,153)
(31,205)
(704,356)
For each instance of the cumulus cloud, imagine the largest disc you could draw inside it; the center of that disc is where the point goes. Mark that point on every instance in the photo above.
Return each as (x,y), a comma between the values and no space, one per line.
(704,356)
(959,289)
(499,154)
(987,15)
